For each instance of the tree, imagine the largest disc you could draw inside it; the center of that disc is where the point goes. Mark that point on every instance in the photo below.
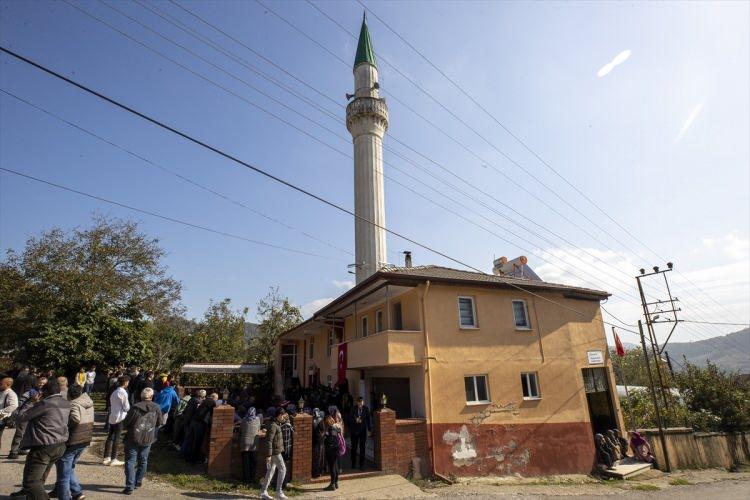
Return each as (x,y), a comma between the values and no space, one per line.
(80,334)
(277,315)
(723,395)
(170,338)
(62,278)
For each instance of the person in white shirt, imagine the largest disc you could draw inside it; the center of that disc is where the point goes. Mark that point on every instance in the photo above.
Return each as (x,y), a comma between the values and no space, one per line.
(88,386)
(8,403)
(119,405)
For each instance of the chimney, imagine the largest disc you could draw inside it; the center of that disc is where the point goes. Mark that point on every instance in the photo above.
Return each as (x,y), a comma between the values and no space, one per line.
(407,258)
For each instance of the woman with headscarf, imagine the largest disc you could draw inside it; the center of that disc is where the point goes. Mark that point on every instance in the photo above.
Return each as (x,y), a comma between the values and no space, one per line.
(641,448)
(331,442)
(249,436)
(614,445)
(604,459)
(319,431)
(622,442)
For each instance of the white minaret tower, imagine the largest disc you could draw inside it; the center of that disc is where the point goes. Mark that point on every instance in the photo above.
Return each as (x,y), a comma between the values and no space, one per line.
(367,121)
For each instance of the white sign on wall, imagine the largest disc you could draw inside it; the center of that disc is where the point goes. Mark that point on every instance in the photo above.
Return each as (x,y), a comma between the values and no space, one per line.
(595,357)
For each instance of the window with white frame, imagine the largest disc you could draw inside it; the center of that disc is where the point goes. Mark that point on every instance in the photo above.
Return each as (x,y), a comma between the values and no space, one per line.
(521,315)
(467,312)
(378,321)
(530,385)
(476,389)
(311,348)
(331,341)
(363,332)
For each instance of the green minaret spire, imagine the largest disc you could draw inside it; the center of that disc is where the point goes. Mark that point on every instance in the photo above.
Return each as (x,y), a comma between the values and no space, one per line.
(365,54)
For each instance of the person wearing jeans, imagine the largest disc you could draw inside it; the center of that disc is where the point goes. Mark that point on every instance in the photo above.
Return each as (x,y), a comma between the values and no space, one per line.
(80,430)
(274,458)
(140,424)
(119,405)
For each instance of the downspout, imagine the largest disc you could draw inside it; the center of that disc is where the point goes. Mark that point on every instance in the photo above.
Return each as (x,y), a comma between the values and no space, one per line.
(429,377)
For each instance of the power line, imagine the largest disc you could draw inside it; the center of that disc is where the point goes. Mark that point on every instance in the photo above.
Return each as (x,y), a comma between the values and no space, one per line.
(714,323)
(520,141)
(166,217)
(255,105)
(327,129)
(174,173)
(273,177)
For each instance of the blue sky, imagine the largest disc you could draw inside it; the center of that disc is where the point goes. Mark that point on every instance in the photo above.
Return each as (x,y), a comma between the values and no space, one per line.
(660,141)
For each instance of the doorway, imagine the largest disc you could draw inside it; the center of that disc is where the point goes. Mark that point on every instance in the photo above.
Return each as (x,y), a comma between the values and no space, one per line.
(397,390)
(599,398)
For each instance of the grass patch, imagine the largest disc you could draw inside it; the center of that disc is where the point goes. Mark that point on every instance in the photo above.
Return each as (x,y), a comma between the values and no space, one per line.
(166,465)
(644,487)
(679,481)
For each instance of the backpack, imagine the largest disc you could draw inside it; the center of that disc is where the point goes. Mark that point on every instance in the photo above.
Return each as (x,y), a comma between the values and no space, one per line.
(331,440)
(144,428)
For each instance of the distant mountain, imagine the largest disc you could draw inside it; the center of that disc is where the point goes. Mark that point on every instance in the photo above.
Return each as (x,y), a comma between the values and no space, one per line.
(730,352)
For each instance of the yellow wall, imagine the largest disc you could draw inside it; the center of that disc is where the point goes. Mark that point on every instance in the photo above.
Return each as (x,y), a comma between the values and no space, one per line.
(555,348)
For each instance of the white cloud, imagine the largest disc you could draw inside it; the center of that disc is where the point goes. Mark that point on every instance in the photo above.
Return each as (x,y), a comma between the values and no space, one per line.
(619,59)
(309,308)
(733,245)
(343,285)
(690,119)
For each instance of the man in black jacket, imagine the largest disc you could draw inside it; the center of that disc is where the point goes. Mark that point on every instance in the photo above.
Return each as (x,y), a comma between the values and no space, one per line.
(140,425)
(360,425)
(45,437)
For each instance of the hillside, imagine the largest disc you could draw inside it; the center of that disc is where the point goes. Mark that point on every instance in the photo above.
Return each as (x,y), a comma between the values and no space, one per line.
(730,352)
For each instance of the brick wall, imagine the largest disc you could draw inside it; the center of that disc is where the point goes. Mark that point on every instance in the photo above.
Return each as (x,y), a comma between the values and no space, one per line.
(384,431)
(220,442)
(411,442)
(302,448)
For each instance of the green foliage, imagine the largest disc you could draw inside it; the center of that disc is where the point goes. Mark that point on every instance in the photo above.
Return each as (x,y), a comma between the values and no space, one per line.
(80,334)
(277,315)
(171,338)
(630,368)
(61,277)
(725,396)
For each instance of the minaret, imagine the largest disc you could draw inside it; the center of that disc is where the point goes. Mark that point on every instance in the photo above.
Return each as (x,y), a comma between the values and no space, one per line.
(367,121)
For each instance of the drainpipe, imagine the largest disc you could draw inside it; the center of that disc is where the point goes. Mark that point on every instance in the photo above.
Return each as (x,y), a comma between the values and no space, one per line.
(429,377)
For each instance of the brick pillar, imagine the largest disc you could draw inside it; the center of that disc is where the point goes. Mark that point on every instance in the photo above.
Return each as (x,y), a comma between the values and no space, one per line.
(385,440)
(220,442)
(302,448)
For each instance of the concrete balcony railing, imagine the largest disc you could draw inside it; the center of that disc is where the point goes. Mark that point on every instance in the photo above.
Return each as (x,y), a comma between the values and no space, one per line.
(387,348)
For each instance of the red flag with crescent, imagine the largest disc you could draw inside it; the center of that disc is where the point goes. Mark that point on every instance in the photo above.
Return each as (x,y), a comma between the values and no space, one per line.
(619,346)
(342,362)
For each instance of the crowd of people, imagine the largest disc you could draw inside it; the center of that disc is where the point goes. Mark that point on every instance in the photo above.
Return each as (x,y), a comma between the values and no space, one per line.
(612,448)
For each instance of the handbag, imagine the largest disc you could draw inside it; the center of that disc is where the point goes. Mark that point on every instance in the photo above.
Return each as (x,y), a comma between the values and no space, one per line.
(342,444)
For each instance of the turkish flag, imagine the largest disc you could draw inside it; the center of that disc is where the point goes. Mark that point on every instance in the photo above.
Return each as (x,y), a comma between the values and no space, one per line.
(618,346)
(342,362)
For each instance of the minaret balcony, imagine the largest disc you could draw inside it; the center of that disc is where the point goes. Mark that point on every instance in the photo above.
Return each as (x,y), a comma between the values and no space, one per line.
(362,107)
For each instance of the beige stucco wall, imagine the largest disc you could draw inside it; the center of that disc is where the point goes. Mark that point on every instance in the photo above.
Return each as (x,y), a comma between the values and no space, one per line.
(555,347)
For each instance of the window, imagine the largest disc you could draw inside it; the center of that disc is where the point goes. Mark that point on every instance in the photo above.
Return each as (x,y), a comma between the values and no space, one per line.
(467,312)
(397,320)
(521,315)
(363,333)
(476,389)
(530,386)
(311,348)
(330,342)
(378,321)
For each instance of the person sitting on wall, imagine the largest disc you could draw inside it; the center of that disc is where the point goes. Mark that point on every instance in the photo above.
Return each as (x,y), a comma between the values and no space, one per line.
(604,460)
(641,448)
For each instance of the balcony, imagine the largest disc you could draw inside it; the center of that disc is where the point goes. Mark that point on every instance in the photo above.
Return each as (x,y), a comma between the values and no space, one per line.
(388,348)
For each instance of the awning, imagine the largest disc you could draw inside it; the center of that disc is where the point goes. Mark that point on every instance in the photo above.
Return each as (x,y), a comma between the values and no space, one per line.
(224,368)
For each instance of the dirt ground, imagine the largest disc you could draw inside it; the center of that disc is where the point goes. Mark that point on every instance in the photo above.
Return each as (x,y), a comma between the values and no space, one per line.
(700,484)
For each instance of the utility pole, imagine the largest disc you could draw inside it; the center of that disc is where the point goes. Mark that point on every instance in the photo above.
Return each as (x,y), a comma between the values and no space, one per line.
(667,466)
(652,318)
